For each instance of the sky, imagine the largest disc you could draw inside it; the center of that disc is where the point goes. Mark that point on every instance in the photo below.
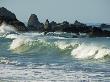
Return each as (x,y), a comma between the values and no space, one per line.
(86,11)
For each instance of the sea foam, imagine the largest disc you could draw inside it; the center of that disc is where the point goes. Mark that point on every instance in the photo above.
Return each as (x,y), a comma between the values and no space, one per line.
(90,51)
(80,50)
(5,28)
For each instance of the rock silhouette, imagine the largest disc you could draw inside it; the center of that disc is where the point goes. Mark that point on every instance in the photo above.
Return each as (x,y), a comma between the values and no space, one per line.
(10,18)
(34,25)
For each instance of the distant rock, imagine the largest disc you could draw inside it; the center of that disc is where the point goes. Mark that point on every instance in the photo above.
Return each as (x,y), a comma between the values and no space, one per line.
(53,26)
(78,24)
(33,23)
(47,25)
(10,18)
(105,27)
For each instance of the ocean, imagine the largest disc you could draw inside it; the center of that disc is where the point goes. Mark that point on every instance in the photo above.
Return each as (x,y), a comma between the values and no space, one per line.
(35,57)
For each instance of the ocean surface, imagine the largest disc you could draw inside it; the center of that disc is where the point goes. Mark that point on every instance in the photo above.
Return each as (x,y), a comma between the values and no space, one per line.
(35,57)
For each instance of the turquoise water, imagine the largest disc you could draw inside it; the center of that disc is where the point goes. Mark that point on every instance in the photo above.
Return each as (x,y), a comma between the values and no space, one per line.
(33,57)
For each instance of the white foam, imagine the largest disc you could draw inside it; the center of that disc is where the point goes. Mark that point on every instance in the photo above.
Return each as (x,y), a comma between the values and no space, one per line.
(81,49)
(4,28)
(102,53)
(62,45)
(12,36)
(33,34)
(17,43)
(43,73)
(90,51)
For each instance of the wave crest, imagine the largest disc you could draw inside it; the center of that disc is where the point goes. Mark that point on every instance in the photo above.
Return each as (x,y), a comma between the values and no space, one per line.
(4,28)
(90,51)
(76,47)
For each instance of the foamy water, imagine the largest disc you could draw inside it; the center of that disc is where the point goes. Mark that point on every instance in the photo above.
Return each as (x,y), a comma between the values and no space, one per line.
(4,28)
(34,57)
(79,48)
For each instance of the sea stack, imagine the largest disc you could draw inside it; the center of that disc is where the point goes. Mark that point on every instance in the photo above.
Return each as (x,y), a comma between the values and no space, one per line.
(47,25)
(33,23)
(10,18)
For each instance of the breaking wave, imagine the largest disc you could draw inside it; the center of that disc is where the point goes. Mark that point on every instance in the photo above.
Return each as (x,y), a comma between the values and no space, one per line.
(91,51)
(5,29)
(78,48)
(81,48)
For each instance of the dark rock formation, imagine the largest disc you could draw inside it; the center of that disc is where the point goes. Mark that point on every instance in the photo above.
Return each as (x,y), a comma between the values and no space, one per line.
(78,24)
(104,26)
(65,24)
(34,24)
(77,27)
(47,25)
(6,15)
(53,26)
(10,18)
(98,32)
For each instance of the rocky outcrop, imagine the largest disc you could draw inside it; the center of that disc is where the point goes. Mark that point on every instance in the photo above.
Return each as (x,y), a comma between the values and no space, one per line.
(104,26)
(34,24)
(98,32)
(53,26)
(79,24)
(10,18)
(47,26)
(7,17)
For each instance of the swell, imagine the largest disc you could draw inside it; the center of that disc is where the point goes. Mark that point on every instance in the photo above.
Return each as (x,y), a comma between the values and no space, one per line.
(39,46)
(86,48)
(76,48)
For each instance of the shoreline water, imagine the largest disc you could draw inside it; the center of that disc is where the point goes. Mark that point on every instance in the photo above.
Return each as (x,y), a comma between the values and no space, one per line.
(71,52)
(41,58)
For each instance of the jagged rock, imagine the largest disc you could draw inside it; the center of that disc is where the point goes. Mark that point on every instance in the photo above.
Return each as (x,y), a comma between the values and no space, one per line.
(65,24)
(47,25)
(6,15)
(18,25)
(10,18)
(78,24)
(53,26)
(33,23)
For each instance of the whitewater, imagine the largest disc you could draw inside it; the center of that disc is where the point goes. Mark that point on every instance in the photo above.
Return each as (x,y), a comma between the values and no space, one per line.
(35,57)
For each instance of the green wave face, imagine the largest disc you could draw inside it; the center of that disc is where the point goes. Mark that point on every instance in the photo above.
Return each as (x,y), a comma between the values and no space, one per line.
(78,48)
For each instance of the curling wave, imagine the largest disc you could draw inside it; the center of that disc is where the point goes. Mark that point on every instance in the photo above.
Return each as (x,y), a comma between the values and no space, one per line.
(78,48)
(90,51)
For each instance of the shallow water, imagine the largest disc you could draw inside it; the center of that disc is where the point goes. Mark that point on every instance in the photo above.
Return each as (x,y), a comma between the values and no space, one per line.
(32,57)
